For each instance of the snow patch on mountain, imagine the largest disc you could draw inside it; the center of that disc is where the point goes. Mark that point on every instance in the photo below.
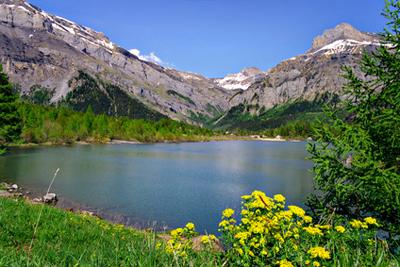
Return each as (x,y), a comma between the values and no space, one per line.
(341,46)
(242,80)
(60,24)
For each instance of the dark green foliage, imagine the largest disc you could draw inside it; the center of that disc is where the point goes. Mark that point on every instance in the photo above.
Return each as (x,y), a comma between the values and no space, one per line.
(293,119)
(106,99)
(39,95)
(10,123)
(185,98)
(357,160)
(216,111)
(62,125)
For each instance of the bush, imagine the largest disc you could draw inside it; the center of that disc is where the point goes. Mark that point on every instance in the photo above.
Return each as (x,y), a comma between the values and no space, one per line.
(269,234)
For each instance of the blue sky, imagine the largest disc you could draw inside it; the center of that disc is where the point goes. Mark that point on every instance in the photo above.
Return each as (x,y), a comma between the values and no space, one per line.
(217,37)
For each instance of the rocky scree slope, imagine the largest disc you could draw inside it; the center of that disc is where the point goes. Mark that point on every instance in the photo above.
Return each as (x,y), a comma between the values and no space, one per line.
(37,48)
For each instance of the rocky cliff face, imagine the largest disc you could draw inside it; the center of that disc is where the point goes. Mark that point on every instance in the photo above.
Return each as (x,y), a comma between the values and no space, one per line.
(37,48)
(312,74)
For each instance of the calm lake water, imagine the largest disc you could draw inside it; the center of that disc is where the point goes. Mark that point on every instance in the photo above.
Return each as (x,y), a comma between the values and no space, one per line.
(169,184)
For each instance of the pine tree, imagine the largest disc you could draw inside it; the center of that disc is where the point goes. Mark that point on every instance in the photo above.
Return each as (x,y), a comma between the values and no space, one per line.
(10,122)
(357,159)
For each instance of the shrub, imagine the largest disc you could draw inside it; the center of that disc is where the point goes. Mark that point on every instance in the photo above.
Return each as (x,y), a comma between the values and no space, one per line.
(269,234)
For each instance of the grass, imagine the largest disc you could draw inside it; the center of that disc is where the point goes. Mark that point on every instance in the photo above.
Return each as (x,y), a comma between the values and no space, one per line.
(69,239)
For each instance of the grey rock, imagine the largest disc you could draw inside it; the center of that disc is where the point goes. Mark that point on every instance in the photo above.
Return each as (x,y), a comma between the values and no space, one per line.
(37,200)
(50,198)
(14,187)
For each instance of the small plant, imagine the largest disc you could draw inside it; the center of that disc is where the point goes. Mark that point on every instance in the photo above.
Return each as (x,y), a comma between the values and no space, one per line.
(181,243)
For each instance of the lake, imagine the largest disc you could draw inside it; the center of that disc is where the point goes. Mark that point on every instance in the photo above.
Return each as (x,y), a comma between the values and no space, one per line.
(163,184)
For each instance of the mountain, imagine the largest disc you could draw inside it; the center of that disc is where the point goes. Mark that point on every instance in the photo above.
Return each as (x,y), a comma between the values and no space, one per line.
(72,64)
(305,78)
(242,80)
(83,67)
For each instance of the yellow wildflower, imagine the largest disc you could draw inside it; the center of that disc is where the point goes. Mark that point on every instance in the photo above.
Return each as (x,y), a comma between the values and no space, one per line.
(190,226)
(279,198)
(242,235)
(340,229)
(307,219)
(205,239)
(319,252)
(279,238)
(316,264)
(251,253)
(286,214)
(288,234)
(245,221)
(358,224)
(177,232)
(240,251)
(371,221)
(285,263)
(325,227)
(223,224)
(313,230)
(256,228)
(297,210)
(227,213)
(246,197)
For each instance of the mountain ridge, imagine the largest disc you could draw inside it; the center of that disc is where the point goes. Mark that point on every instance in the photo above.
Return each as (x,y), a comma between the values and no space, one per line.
(42,49)
(37,48)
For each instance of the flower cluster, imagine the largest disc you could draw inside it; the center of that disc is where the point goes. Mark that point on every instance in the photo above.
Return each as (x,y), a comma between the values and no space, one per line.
(269,234)
(180,243)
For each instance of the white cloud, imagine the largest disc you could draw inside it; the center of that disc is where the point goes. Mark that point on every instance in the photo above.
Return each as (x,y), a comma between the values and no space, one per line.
(152,57)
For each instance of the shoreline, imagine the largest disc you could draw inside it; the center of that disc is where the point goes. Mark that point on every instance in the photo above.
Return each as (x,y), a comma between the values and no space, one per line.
(178,141)
(7,190)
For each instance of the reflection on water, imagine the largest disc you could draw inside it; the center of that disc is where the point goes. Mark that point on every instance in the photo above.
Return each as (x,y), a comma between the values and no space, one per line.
(167,183)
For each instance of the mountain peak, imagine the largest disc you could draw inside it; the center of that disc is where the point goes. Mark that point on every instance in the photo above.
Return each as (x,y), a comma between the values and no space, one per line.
(251,71)
(241,80)
(342,31)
